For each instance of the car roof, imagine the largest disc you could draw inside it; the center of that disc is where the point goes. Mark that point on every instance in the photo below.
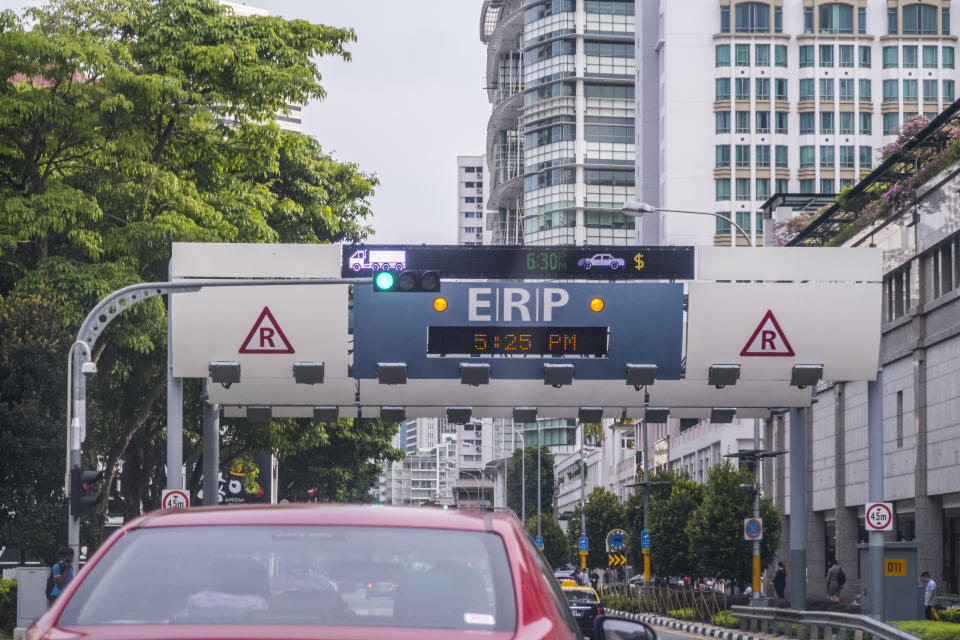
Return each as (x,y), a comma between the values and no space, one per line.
(324,514)
(578,588)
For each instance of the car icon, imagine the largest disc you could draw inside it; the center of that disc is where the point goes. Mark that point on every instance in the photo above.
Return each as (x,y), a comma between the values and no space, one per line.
(602,260)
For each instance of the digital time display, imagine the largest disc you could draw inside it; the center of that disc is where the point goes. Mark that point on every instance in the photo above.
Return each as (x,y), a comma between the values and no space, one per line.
(547,342)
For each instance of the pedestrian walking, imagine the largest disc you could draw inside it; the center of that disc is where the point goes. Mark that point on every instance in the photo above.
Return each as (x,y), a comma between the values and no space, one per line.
(834,583)
(929,596)
(60,575)
(594,579)
(780,579)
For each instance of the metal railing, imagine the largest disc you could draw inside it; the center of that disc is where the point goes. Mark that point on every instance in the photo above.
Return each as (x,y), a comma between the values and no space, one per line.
(814,625)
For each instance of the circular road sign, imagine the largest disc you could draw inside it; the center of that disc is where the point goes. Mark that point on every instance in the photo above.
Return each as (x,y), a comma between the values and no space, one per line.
(879,516)
(175,499)
(752,528)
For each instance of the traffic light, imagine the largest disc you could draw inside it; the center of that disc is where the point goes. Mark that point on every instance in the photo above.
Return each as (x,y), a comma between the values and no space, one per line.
(83,490)
(407,281)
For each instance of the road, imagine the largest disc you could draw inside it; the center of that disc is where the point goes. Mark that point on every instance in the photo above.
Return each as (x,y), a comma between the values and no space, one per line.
(673,634)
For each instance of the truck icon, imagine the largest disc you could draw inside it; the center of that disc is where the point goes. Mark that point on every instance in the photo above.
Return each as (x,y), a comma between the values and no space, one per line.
(602,260)
(378,259)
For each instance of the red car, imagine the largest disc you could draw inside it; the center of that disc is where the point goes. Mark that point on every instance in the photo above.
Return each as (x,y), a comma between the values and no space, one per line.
(304,571)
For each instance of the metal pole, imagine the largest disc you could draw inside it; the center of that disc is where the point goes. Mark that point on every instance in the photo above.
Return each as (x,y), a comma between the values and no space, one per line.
(75,432)
(756,507)
(583,497)
(646,491)
(523,477)
(211,450)
(798,510)
(875,490)
(538,480)
(174,412)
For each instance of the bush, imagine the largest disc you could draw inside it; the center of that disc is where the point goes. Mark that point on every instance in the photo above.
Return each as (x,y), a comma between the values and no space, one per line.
(623,603)
(949,615)
(931,629)
(725,619)
(8,606)
(681,614)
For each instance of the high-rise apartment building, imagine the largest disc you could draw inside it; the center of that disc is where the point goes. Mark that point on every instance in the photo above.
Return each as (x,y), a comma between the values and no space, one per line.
(741,100)
(470,199)
(560,139)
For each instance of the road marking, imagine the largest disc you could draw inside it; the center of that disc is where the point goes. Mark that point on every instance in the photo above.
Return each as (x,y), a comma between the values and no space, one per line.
(675,632)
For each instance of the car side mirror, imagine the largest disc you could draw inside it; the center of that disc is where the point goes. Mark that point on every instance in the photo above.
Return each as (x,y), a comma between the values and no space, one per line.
(613,628)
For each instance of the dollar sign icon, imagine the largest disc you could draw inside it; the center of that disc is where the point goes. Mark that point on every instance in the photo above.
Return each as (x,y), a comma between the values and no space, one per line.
(638,259)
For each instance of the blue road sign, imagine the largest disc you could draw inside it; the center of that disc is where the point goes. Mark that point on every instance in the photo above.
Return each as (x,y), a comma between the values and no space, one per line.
(583,543)
(520,327)
(540,542)
(645,539)
(752,528)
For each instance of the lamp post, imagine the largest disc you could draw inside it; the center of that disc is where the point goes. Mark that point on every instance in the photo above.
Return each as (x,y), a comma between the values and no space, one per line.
(523,476)
(637,209)
(539,446)
(583,497)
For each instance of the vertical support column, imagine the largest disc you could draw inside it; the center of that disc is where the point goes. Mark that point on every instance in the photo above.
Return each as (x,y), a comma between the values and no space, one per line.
(756,508)
(74,439)
(928,512)
(845,519)
(211,451)
(174,411)
(875,489)
(798,510)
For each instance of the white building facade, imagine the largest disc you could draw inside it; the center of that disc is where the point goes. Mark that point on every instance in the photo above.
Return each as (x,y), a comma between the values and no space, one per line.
(471,192)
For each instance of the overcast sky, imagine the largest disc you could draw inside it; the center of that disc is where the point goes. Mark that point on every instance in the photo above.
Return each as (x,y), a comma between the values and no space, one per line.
(409,102)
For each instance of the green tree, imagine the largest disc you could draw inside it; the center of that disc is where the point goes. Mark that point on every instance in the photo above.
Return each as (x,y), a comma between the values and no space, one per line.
(670,511)
(603,513)
(514,484)
(715,530)
(554,541)
(633,513)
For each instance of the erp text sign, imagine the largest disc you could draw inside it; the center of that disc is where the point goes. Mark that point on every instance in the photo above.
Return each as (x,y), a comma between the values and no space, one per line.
(517,328)
(878,516)
(581,263)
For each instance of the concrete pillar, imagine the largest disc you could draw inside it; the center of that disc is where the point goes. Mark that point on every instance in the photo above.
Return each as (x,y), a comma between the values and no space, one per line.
(796,568)
(816,554)
(928,511)
(846,525)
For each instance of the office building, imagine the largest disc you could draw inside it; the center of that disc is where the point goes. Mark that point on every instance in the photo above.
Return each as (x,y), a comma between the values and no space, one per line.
(470,198)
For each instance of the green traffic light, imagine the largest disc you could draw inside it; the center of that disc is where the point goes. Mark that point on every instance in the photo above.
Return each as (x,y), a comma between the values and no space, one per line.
(384,280)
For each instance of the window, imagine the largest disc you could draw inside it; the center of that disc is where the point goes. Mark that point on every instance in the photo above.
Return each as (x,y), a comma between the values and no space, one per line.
(762,54)
(807,89)
(724,19)
(602,91)
(807,186)
(847,156)
(780,55)
(900,418)
(920,19)
(910,56)
(607,133)
(846,89)
(752,17)
(865,90)
(743,188)
(723,88)
(826,55)
(929,57)
(836,18)
(808,158)
(945,21)
(808,19)
(780,155)
(723,55)
(890,91)
(608,49)
(763,88)
(780,88)
(763,155)
(763,188)
(743,55)
(743,155)
(947,54)
(892,20)
(890,58)
(743,220)
(807,122)
(722,119)
(930,91)
(846,183)
(780,122)
(846,55)
(743,122)
(469,199)
(891,123)
(865,56)
(763,122)
(948,91)
(806,55)
(826,122)
(862,20)
(826,88)
(866,124)
(783,185)
(723,189)
(778,20)
(846,123)
(743,88)
(826,185)
(909,90)
(723,155)
(723,222)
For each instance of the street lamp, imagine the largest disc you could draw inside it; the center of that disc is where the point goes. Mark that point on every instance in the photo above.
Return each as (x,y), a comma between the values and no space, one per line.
(637,209)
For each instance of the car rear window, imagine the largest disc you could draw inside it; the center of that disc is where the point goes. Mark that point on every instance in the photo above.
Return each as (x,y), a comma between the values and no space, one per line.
(327,576)
(580,597)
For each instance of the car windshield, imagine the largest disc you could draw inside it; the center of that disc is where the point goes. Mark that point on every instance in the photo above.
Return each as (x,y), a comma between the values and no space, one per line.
(300,575)
(580,597)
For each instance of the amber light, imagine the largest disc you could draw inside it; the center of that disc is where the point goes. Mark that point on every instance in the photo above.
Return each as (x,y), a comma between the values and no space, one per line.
(440,304)
(596,305)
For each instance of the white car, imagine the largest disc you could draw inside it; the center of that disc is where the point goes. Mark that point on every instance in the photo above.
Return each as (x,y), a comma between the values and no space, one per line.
(602,260)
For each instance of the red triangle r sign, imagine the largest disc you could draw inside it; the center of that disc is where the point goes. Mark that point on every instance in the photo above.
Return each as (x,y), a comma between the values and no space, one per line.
(266,336)
(768,339)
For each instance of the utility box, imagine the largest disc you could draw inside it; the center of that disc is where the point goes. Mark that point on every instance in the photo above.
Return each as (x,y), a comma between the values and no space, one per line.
(31,599)
(902,593)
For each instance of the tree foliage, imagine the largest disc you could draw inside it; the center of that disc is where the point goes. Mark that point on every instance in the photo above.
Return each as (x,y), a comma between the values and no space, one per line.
(514,484)
(126,125)
(670,512)
(554,540)
(633,513)
(602,513)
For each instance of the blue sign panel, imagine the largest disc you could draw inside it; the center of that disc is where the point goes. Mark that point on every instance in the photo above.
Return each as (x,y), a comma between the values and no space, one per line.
(583,543)
(616,540)
(519,327)
(645,539)
(540,542)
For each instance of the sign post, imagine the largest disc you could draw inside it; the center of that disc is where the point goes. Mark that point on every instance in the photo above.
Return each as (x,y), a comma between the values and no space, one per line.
(584,550)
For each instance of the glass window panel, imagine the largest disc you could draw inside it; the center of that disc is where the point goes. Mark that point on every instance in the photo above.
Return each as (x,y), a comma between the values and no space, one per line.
(763,88)
(891,122)
(722,119)
(826,88)
(780,87)
(846,89)
(826,185)
(808,19)
(762,54)
(929,57)
(806,55)
(743,188)
(778,19)
(947,55)
(826,55)
(948,91)
(743,122)
(743,88)
(723,55)
(763,122)
(780,55)
(723,88)
(866,157)
(723,188)
(752,17)
(780,124)
(866,124)
(930,93)
(847,156)
(724,19)
(743,155)
(890,91)
(862,20)
(866,54)
(910,56)
(723,222)
(846,55)
(781,154)
(909,90)
(890,58)
(763,155)
(826,122)
(783,185)
(807,157)
(836,18)
(763,188)
(892,20)
(807,89)
(808,121)
(866,90)
(743,55)
(723,155)
(846,123)
(807,186)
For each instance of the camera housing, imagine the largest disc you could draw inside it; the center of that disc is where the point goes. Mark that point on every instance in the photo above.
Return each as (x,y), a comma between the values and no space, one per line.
(89,369)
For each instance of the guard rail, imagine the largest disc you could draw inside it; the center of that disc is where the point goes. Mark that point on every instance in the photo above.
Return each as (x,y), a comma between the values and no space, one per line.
(814,625)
